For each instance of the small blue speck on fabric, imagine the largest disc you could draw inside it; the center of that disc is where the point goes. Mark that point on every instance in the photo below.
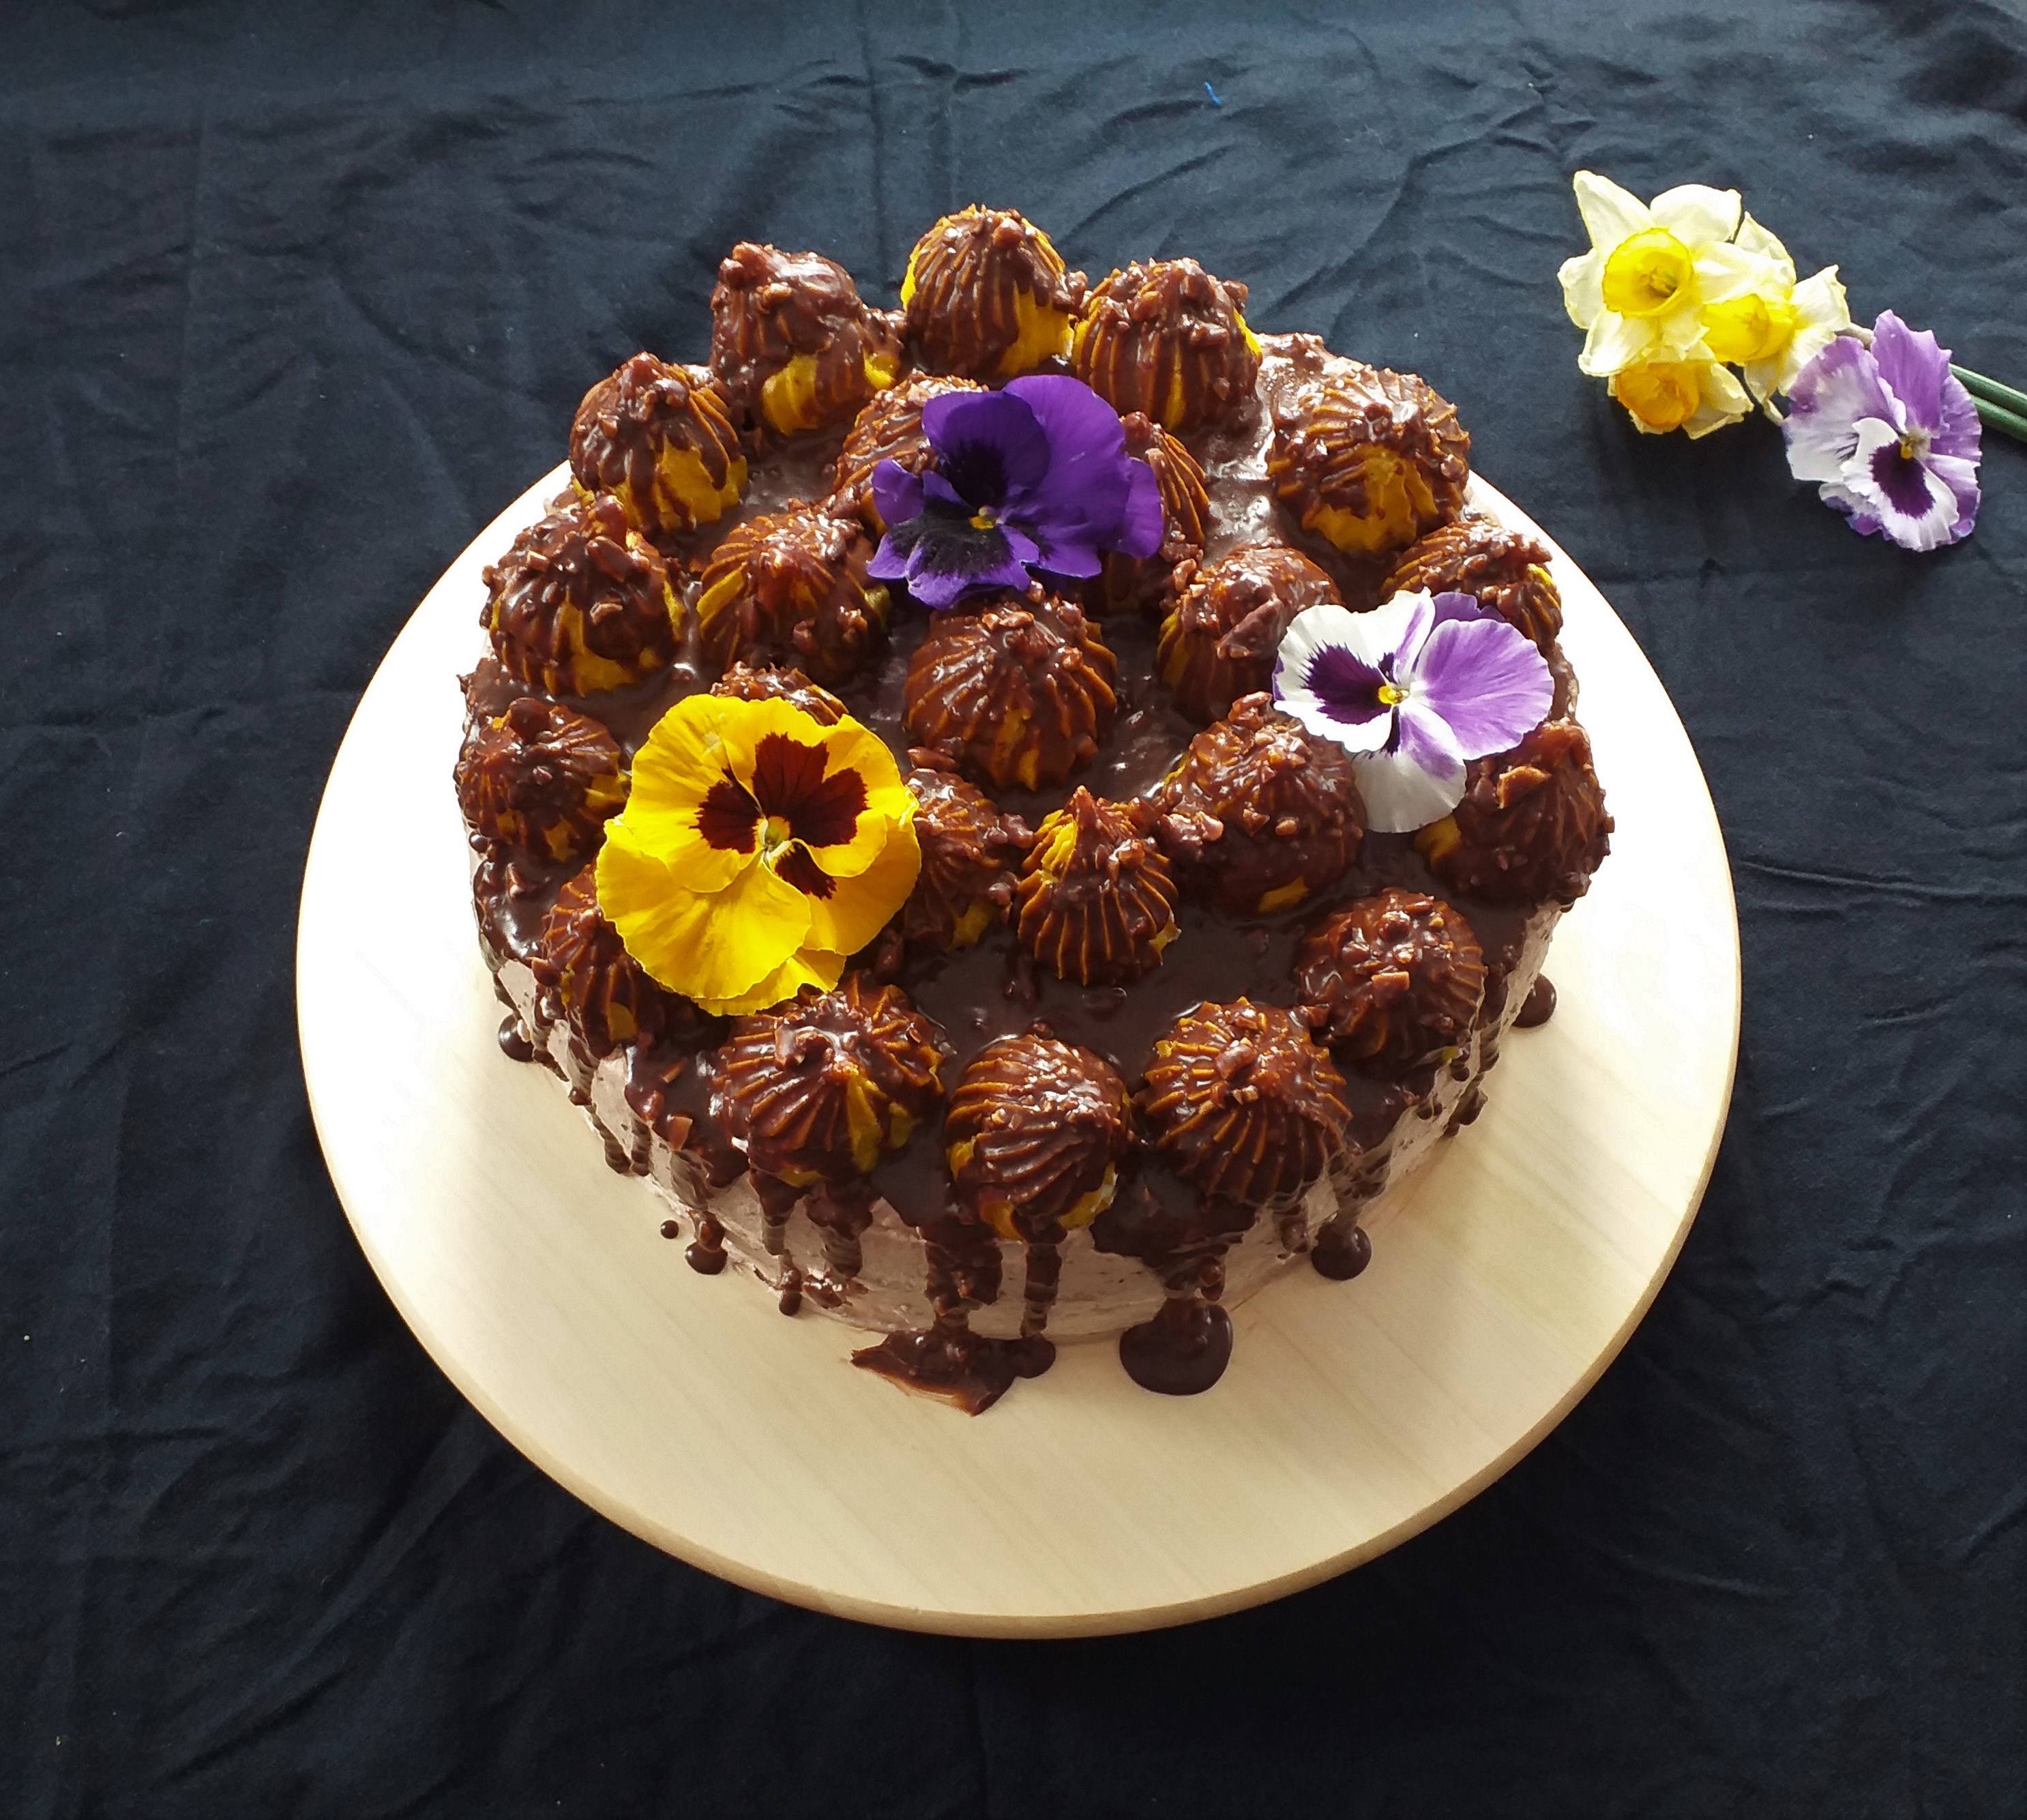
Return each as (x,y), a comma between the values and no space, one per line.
(1212,92)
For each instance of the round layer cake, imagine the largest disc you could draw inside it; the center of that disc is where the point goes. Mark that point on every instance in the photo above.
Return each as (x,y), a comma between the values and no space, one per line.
(1110,1000)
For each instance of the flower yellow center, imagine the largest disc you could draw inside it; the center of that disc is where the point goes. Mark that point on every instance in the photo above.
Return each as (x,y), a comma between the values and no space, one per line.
(775,833)
(1648,274)
(1662,394)
(1746,329)
(1392,695)
(982,519)
(1914,444)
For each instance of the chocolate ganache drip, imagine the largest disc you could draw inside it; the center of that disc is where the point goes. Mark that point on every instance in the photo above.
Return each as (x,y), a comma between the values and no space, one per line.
(1532,826)
(790,588)
(1097,899)
(1369,459)
(795,345)
(1290,819)
(1220,641)
(889,428)
(580,603)
(1393,982)
(969,849)
(1018,689)
(1148,583)
(541,779)
(1506,570)
(986,295)
(1167,340)
(660,440)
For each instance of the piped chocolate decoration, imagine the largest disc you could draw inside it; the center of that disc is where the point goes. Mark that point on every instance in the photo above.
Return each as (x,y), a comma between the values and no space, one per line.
(969,851)
(581,603)
(819,1089)
(1290,820)
(795,345)
(1532,827)
(1097,899)
(1369,460)
(889,428)
(1035,1136)
(660,440)
(541,779)
(1243,1106)
(1220,640)
(1506,570)
(1148,583)
(772,683)
(1017,690)
(1170,340)
(790,588)
(987,295)
(1392,982)
(600,990)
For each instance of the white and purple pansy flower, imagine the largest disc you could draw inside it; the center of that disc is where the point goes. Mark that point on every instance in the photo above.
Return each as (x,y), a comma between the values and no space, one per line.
(1035,475)
(1889,435)
(1414,689)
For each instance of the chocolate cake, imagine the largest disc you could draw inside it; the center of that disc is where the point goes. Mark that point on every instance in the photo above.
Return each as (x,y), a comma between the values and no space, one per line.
(1033,968)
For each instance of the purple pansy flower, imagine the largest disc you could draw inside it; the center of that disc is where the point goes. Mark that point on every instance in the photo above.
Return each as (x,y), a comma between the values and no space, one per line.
(1413,689)
(1034,475)
(1889,434)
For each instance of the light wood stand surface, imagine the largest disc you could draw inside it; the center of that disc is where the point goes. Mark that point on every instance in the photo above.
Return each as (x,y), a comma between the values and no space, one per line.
(686,1409)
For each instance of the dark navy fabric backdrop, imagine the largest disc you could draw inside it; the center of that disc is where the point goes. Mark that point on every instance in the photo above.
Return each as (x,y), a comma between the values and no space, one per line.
(293,300)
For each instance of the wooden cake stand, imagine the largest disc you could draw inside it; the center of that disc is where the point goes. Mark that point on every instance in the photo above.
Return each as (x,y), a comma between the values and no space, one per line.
(686,1409)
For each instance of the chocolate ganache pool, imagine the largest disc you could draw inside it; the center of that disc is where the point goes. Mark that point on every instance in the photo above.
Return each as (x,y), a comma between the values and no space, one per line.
(1161,1013)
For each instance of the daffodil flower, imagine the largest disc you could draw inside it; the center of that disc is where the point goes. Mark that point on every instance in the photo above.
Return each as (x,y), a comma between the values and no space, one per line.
(1651,272)
(1695,395)
(1776,328)
(757,850)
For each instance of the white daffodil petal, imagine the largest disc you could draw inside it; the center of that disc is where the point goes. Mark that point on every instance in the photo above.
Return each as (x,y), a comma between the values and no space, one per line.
(1401,796)
(1752,238)
(1610,214)
(1725,272)
(1583,288)
(1723,401)
(1697,215)
(1615,341)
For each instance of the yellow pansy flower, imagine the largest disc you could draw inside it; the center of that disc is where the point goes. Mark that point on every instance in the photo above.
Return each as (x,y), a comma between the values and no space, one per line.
(1773,329)
(1652,269)
(757,849)
(1694,396)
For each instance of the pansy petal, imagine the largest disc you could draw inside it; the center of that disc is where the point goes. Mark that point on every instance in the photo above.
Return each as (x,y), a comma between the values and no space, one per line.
(858,907)
(1913,367)
(1378,636)
(850,747)
(1467,606)
(807,966)
(1022,548)
(1083,497)
(1961,435)
(1326,719)
(1610,214)
(1831,396)
(710,946)
(1697,215)
(1483,680)
(936,491)
(1401,796)
(1915,507)
(1961,477)
(989,445)
(1142,525)
(897,494)
(688,755)
(1070,556)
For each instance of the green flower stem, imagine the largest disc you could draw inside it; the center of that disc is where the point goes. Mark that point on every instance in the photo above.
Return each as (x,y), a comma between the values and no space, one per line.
(2006,422)
(1991,391)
